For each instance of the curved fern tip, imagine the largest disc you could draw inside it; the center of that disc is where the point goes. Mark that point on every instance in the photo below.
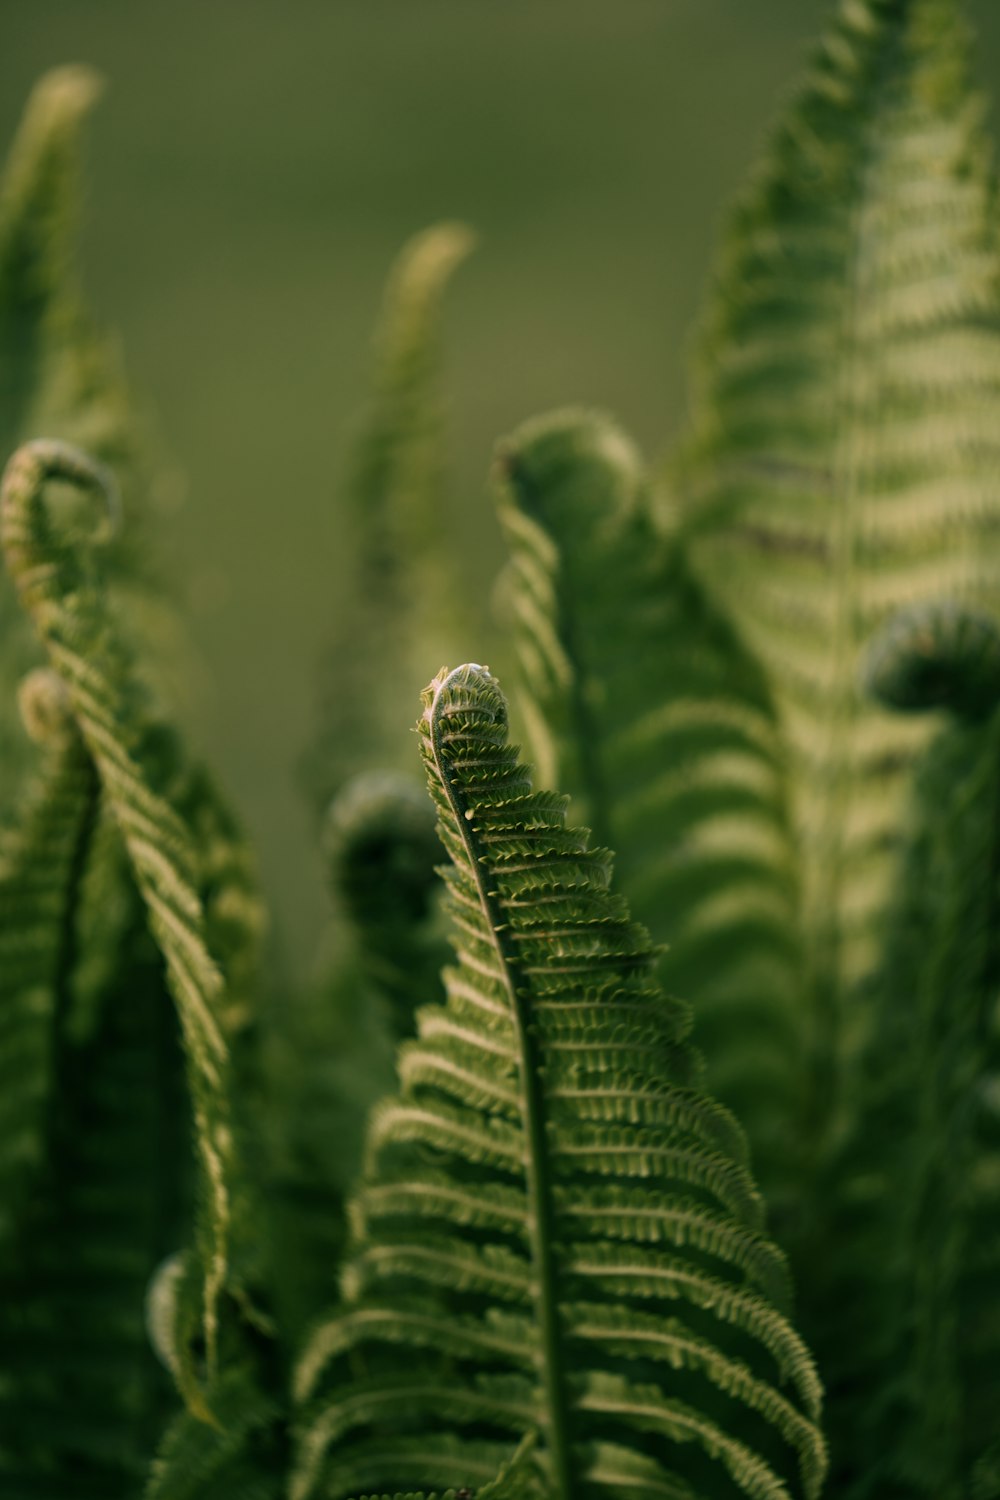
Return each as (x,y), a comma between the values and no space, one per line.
(537,457)
(44,460)
(72,88)
(470,683)
(939,655)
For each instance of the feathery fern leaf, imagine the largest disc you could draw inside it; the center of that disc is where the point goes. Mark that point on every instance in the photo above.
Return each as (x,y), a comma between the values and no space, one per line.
(37,227)
(92,1098)
(845,455)
(915,1369)
(659,724)
(59,373)
(557,1231)
(387,952)
(50,554)
(401,595)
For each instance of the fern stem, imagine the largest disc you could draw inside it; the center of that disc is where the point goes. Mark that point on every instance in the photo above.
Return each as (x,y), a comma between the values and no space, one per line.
(541,1228)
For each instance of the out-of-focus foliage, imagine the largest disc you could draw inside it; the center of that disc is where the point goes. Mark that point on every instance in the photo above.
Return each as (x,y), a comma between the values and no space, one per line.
(557,1277)
(844,458)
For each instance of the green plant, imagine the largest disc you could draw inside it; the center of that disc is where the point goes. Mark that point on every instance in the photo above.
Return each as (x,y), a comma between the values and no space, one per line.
(767,678)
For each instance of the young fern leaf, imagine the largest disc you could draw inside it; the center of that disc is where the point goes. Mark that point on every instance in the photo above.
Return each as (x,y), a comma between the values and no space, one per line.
(387,952)
(91,1093)
(59,373)
(51,559)
(382,852)
(652,716)
(915,1368)
(844,455)
(401,595)
(557,1232)
(37,230)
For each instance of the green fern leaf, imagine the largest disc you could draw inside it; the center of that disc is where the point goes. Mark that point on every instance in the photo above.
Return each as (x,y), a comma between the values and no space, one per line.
(557,1232)
(401,597)
(235,1460)
(37,229)
(384,960)
(649,713)
(92,1092)
(50,555)
(915,1387)
(844,456)
(61,375)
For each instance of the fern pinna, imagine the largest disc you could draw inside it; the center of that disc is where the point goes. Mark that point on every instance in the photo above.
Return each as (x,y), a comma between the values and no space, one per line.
(557,1229)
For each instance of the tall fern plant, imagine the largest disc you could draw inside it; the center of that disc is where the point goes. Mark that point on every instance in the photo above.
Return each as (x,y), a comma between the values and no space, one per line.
(603,1150)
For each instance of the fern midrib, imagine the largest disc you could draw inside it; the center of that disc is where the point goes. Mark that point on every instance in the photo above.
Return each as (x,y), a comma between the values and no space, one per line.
(540,1223)
(847,499)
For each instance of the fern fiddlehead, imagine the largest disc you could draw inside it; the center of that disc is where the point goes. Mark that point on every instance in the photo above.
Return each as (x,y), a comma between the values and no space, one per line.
(557,1230)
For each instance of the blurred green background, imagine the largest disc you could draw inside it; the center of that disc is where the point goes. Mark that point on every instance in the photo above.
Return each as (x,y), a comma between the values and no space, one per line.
(253,169)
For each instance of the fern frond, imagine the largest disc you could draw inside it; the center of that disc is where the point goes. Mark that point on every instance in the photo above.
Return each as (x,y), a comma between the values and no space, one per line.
(51,558)
(62,375)
(401,597)
(37,230)
(647,710)
(386,955)
(844,455)
(498,1220)
(915,1365)
(92,1098)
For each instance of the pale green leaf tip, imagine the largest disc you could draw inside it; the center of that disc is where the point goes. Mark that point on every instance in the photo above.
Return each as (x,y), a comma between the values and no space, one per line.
(68,91)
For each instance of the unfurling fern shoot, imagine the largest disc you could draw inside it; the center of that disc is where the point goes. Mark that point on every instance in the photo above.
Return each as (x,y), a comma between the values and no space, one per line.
(557,1231)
